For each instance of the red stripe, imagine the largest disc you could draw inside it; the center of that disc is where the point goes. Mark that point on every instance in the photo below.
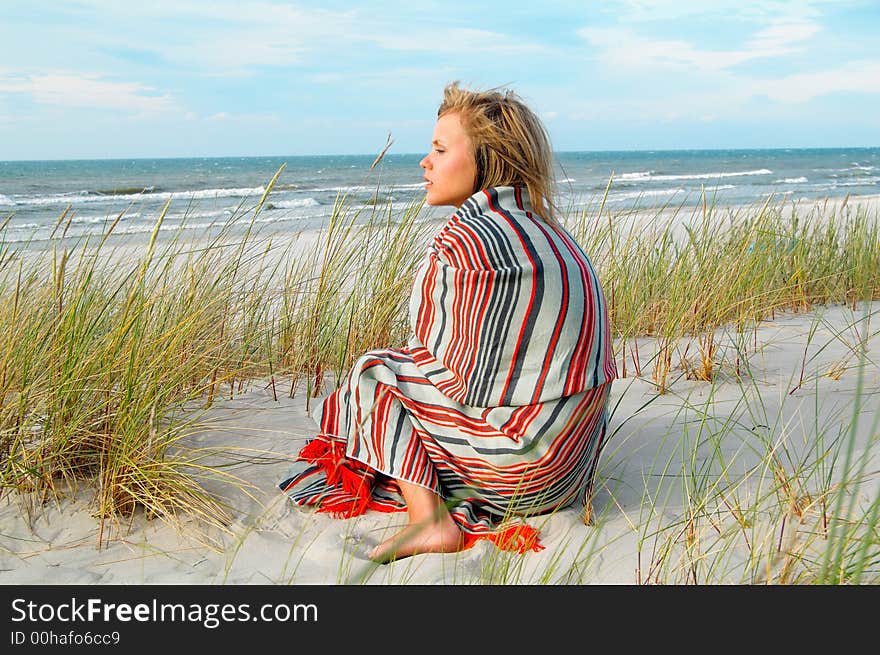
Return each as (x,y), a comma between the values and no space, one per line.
(519,341)
(427,311)
(563,311)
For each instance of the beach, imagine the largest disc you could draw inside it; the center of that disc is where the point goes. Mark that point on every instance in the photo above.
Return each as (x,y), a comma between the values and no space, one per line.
(272,542)
(587,291)
(754,476)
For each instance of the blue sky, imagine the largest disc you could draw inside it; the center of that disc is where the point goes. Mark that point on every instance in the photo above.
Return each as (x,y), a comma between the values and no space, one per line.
(101,79)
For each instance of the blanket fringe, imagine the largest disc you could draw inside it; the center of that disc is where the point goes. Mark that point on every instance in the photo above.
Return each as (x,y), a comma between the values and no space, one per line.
(356,481)
(351,477)
(520,538)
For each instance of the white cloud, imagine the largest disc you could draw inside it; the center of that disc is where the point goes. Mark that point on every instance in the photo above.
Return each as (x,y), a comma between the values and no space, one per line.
(243,119)
(751,10)
(781,34)
(623,48)
(730,99)
(859,77)
(391,79)
(230,55)
(85,90)
(230,38)
(452,41)
(225,38)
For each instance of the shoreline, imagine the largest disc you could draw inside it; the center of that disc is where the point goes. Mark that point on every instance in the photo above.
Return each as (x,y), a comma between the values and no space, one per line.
(639,208)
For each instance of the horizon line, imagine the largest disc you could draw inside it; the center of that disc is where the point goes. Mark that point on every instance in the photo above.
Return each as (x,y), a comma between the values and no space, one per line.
(410,154)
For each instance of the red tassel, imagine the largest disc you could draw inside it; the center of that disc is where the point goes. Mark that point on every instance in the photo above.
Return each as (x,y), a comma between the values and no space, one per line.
(355,479)
(347,475)
(520,538)
(319,451)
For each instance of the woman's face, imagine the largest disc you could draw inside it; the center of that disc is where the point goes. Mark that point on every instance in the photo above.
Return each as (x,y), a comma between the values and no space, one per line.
(450,168)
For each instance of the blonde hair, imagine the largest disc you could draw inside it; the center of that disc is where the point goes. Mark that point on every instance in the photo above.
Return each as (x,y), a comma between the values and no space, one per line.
(511,145)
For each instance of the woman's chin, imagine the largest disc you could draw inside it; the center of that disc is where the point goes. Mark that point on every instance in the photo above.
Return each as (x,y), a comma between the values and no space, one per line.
(438,202)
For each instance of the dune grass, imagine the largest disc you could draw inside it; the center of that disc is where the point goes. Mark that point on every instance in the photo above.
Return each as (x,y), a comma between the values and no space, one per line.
(110,354)
(762,490)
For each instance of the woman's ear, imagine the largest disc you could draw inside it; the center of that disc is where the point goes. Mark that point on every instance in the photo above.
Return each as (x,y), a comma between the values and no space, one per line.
(480,160)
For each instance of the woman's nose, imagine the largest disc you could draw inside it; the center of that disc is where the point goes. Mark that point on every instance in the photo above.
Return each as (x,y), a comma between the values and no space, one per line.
(424,162)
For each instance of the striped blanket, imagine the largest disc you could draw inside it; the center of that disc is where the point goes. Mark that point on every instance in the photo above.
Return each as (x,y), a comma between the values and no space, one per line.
(497,403)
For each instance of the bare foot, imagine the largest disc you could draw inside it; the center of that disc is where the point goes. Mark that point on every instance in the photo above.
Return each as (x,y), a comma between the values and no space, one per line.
(441,536)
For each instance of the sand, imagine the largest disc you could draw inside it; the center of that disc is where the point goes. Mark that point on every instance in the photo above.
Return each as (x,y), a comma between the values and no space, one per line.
(657,442)
(798,386)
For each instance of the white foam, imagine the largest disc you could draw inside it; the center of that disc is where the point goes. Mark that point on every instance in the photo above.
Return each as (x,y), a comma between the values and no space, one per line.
(651,175)
(633,177)
(629,195)
(353,188)
(868,181)
(203,214)
(78,198)
(418,185)
(712,176)
(293,204)
(791,180)
(91,220)
(217,193)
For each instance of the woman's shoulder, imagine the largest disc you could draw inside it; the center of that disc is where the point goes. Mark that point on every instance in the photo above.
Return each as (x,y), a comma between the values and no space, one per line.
(506,209)
(494,228)
(495,201)
(491,213)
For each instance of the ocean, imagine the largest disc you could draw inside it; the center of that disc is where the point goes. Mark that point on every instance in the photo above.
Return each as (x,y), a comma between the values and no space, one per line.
(209,192)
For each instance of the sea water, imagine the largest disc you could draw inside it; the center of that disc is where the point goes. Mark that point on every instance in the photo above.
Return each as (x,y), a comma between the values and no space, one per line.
(202,194)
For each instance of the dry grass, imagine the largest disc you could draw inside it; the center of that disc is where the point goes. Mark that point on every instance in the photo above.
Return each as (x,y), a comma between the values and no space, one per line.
(104,354)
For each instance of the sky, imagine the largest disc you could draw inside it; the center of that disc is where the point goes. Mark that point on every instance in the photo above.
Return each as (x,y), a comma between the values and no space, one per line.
(95,79)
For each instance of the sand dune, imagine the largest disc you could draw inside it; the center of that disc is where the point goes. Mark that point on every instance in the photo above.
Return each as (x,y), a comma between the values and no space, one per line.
(809,388)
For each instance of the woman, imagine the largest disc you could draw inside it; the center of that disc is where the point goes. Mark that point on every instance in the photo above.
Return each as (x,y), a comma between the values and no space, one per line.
(497,406)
